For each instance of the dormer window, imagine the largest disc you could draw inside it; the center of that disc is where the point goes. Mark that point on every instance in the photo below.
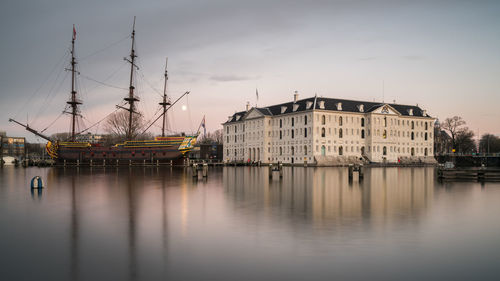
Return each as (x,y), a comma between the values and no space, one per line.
(424,112)
(295,107)
(410,111)
(361,108)
(229,118)
(321,104)
(339,106)
(238,117)
(309,104)
(283,109)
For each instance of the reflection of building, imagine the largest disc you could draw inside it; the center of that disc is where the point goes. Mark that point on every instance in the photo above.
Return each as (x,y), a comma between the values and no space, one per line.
(12,146)
(326,196)
(324,130)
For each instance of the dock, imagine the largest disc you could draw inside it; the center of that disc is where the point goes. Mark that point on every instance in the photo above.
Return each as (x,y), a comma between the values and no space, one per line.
(469,174)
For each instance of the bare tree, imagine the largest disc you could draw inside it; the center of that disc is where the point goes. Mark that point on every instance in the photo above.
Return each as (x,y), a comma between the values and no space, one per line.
(117,125)
(214,137)
(464,141)
(60,136)
(453,126)
(489,144)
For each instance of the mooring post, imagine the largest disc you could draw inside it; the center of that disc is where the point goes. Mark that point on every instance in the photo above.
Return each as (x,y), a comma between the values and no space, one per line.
(64,163)
(130,162)
(77,162)
(144,162)
(194,171)
(171,162)
(157,162)
(91,162)
(350,171)
(280,168)
(205,170)
(104,162)
(360,172)
(270,171)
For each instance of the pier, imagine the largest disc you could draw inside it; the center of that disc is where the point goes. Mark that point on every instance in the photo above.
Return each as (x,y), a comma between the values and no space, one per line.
(469,174)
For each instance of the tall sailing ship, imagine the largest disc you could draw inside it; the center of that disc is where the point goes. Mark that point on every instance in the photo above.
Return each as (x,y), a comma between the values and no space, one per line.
(160,150)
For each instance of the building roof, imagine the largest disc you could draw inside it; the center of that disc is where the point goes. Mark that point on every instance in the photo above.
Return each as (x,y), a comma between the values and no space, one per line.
(330,105)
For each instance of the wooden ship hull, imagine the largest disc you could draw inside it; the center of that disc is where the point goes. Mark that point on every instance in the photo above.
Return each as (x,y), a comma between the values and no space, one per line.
(161,150)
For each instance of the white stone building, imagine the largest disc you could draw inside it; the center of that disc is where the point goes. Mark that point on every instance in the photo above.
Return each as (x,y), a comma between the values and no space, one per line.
(327,131)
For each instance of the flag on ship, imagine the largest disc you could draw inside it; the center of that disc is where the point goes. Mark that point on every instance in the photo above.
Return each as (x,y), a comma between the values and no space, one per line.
(203,125)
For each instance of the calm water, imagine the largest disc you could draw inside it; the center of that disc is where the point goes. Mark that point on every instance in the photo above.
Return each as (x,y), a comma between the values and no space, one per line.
(158,223)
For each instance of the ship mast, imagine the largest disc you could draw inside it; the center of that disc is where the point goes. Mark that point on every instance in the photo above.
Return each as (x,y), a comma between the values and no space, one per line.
(165,102)
(131,99)
(73,102)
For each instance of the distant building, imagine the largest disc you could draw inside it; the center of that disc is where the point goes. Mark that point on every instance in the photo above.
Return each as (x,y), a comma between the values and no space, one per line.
(91,138)
(442,142)
(211,152)
(12,146)
(327,131)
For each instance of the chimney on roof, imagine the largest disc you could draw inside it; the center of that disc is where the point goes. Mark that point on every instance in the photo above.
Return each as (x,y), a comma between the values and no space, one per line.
(248,105)
(296,96)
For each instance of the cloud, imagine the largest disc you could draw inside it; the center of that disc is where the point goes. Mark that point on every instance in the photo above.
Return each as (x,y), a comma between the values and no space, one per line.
(413,57)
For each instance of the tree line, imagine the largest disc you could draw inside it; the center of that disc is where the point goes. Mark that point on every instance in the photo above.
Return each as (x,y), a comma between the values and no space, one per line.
(452,135)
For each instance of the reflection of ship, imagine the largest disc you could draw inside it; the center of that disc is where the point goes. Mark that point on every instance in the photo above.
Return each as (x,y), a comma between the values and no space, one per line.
(159,150)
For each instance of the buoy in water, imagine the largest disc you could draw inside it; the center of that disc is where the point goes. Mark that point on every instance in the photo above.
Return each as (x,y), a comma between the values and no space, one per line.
(36,183)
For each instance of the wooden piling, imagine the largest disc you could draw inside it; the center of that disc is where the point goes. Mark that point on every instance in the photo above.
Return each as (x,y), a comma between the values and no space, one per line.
(205,170)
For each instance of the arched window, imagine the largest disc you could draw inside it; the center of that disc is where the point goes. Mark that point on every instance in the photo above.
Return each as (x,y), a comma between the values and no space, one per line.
(323,120)
(425,150)
(412,151)
(426,125)
(384,134)
(363,134)
(341,150)
(340,133)
(362,122)
(412,135)
(305,132)
(425,136)
(305,120)
(293,133)
(385,121)
(384,150)
(281,123)
(281,134)
(362,150)
(322,132)
(340,121)
(281,151)
(323,150)
(293,150)
(412,125)
(293,121)
(305,149)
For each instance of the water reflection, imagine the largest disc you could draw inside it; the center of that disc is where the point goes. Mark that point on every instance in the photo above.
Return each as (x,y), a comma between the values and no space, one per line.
(325,195)
(150,223)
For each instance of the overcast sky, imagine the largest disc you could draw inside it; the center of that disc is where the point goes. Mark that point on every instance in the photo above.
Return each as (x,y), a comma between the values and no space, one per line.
(442,55)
